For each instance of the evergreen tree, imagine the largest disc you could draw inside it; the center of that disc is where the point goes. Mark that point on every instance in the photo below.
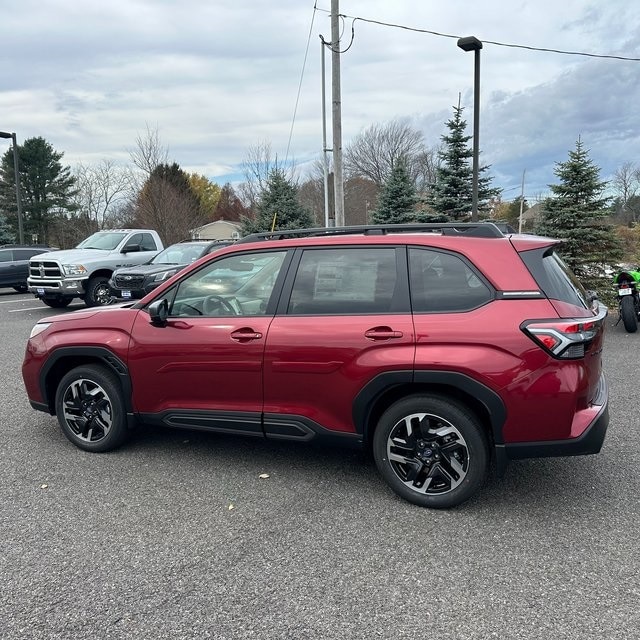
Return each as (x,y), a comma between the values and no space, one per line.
(577,214)
(452,193)
(6,233)
(278,207)
(47,188)
(398,197)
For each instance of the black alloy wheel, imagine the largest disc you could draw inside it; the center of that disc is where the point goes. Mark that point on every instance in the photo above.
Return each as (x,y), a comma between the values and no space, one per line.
(90,408)
(98,292)
(431,450)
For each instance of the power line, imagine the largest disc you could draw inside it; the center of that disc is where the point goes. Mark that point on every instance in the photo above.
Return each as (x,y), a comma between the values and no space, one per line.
(498,44)
(304,64)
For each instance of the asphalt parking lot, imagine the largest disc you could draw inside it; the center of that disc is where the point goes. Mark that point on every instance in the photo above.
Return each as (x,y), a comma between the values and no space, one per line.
(176,535)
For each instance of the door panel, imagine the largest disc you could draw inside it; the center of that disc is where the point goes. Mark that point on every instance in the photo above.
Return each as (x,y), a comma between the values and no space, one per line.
(343,320)
(205,366)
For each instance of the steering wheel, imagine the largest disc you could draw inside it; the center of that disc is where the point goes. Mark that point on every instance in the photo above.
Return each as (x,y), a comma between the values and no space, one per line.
(214,303)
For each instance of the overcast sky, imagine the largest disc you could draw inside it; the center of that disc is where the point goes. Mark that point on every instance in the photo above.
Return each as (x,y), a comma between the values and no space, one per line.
(216,77)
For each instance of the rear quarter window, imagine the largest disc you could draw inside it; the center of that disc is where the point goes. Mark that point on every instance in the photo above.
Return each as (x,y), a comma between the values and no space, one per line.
(554,277)
(443,282)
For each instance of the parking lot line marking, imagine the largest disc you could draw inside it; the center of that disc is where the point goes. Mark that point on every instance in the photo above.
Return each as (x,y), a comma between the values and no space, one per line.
(14,301)
(42,307)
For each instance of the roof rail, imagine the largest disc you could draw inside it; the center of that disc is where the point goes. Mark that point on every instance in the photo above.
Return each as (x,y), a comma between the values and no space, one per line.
(473,229)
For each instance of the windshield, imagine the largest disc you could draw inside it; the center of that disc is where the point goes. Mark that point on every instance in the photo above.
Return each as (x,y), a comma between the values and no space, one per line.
(106,240)
(179,254)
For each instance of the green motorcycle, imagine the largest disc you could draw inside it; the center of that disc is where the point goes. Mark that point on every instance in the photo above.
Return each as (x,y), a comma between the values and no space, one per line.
(628,284)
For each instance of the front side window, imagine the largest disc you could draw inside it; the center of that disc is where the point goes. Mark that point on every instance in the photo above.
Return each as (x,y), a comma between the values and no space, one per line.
(237,285)
(345,281)
(442,282)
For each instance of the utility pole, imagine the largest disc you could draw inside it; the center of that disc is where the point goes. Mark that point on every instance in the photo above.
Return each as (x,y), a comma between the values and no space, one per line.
(325,162)
(521,203)
(336,112)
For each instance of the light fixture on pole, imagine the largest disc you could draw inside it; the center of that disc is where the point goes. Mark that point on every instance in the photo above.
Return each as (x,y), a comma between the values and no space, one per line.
(4,134)
(471,43)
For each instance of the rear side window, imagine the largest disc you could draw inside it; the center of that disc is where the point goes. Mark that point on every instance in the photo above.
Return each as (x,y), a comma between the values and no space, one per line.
(553,276)
(345,281)
(442,282)
(148,242)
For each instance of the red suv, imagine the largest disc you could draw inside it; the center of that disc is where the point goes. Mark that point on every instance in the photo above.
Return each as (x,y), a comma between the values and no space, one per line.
(441,347)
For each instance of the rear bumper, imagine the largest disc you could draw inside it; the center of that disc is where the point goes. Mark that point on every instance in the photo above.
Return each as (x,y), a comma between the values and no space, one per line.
(588,442)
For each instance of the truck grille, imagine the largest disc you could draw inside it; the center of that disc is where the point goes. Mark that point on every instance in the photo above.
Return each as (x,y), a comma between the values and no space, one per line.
(44,270)
(128,282)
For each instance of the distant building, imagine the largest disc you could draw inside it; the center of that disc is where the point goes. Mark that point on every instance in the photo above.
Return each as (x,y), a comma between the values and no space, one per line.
(531,217)
(217,230)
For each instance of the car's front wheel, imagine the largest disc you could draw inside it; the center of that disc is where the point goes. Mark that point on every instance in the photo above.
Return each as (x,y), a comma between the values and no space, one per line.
(431,450)
(21,288)
(90,408)
(98,292)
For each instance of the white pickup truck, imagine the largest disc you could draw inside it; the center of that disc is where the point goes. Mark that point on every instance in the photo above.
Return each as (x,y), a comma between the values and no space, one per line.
(58,277)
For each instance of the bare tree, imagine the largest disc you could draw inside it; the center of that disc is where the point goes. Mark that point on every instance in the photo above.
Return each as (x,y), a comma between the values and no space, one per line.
(102,191)
(626,183)
(149,152)
(257,165)
(373,153)
(167,209)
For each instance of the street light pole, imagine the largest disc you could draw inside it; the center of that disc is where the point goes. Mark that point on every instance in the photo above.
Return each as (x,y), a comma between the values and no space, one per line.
(471,43)
(4,134)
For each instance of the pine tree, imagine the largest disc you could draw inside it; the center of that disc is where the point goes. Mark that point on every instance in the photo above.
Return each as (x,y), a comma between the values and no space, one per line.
(278,207)
(577,214)
(47,188)
(6,233)
(398,198)
(452,193)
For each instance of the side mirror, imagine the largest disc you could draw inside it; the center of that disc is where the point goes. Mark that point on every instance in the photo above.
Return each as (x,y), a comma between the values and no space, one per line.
(131,248)
(159,312)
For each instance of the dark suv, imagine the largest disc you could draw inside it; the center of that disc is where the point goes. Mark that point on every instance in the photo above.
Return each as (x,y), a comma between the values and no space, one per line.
(135,282)
(14,264)
(442,348)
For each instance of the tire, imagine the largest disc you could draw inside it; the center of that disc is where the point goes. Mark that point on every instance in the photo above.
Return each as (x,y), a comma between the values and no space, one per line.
(628,313)
(98,293)
(21,288)
(57,303)
(90,409)
(431,450)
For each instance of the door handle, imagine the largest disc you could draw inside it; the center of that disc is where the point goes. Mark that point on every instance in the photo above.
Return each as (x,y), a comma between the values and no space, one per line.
(382,333)
(245,334)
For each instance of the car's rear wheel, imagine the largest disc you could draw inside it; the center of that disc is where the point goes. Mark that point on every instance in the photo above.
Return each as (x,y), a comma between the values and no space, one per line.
(431,450)
(628,313)
(98,292)
(57,303)
(21,288)
(90,408)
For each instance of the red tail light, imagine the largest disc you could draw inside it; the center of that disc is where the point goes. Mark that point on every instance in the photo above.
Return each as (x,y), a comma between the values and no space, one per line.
(565,338)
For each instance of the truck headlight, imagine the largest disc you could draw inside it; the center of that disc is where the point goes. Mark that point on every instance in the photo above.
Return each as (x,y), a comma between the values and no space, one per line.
(74,269)
(159,277)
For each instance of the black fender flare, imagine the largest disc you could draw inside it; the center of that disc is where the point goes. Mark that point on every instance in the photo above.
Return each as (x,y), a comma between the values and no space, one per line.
(102,354)
(489,399)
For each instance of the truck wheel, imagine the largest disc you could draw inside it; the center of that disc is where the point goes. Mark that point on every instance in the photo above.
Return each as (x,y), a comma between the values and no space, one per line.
(98,293)
(431,451)
(21,288)
(90,409)
(57,303)
(628,313)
